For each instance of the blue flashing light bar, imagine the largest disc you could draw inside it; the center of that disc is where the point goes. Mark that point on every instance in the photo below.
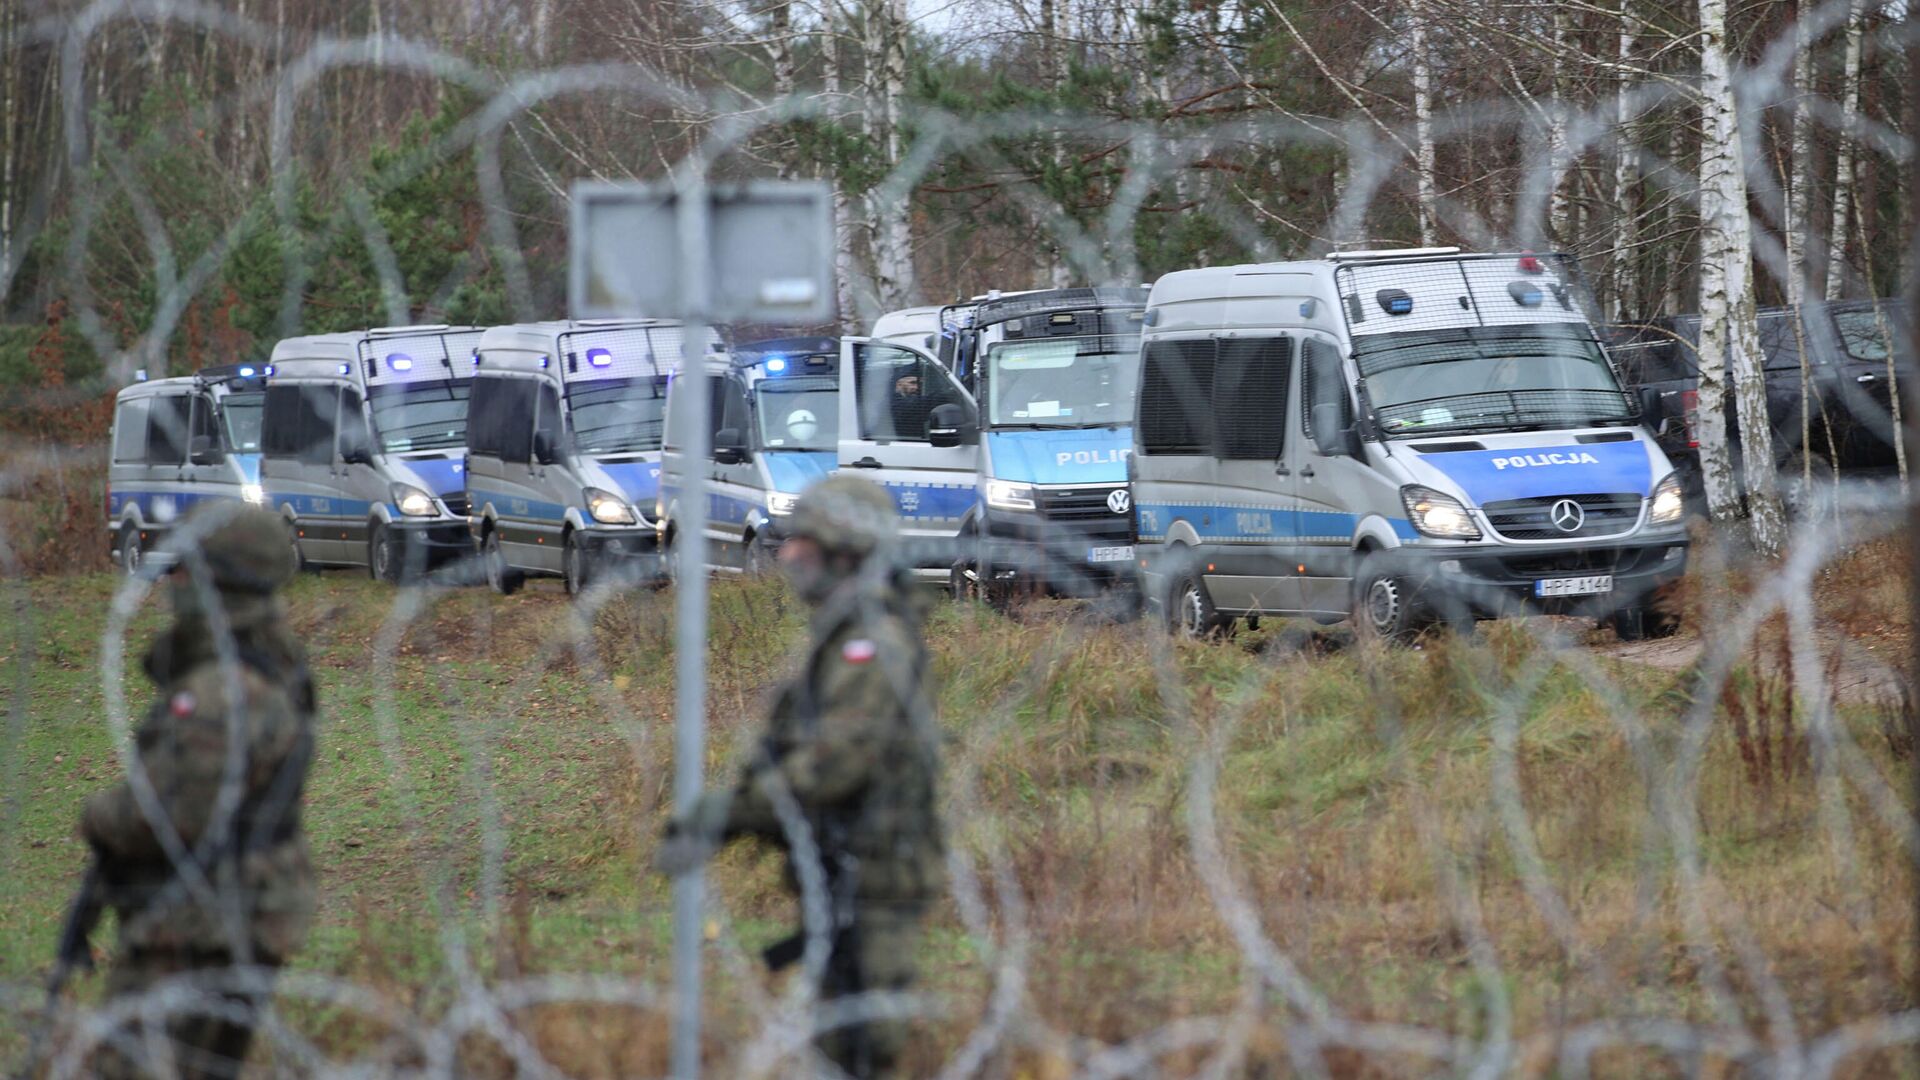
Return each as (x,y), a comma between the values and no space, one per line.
(1394,301)
(600,357)
(776,364)
(400,361)
(346,369)
(1525,293)
(246,373)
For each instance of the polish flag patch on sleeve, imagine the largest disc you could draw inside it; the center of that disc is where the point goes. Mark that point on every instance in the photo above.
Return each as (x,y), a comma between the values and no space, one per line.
(182,704)
(859,651)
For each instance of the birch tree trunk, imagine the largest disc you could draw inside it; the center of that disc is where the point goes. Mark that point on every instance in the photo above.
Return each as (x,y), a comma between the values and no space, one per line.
(844,266)
(1729,331)
(1626,175)
(1559,155)
(9,115)
(1800,154)
(1424,165)
(893,224)
(1053,62)
(1843,178)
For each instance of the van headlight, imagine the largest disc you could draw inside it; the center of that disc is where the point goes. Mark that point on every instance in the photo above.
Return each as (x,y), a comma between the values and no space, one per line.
(1437,514)
(608,508)
(1005,495)
(1669,502)
(780,504)
(412,501)
(254,494)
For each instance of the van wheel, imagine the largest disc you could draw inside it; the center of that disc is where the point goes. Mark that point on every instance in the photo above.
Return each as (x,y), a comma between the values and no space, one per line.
(130,554)
(300,564)
(1643,622)
(574,568)
(760,561)
(383,555)
(1384,606)
(1190,612)
(501,578)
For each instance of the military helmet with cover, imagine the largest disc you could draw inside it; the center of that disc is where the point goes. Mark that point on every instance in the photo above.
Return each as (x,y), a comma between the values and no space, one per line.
(846,513)
(245,549)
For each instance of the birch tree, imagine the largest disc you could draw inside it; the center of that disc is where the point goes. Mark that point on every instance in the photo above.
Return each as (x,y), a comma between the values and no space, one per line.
(886,47)
(1843,179)
(1729,330)
(1626,176)
(1425,158)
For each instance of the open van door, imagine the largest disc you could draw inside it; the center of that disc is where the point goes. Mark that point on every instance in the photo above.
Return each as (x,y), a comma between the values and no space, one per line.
(906,424)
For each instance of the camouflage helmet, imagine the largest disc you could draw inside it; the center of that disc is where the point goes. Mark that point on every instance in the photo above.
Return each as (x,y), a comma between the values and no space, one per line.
(845,513)
(246,548)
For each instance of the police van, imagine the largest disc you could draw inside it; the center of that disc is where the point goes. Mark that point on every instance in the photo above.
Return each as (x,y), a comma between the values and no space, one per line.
(773,429)
(1054,373)
(177,442)
(1398,437)
(563,447)
(916,326)
(363,446)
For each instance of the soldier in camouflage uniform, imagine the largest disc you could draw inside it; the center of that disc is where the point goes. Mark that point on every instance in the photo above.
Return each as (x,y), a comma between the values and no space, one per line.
(851,740)
(234,900)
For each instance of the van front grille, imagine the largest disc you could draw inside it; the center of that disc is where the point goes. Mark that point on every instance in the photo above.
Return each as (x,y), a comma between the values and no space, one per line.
(1536,519)
(1087,510)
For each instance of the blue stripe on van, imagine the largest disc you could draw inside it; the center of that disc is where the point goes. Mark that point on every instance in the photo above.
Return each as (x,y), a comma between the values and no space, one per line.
(177,501)
(1222,524)
(515,507)
(1535,472)
(320,505)
(933,502)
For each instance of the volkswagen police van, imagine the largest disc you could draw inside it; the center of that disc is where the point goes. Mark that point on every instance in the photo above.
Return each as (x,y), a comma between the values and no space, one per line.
(774,429)
(1054,374)
(1397,437)
(177,442)
(563,447)
(363,446)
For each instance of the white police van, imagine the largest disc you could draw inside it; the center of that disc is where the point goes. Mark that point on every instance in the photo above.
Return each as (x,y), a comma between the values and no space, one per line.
(363,446)
(1054,373)
(773,429)
(178,442)
(563,447)
(916,326)
(1399,437)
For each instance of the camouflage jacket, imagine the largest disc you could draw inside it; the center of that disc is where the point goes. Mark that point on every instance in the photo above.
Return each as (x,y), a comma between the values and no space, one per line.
(853,737)
(254,855)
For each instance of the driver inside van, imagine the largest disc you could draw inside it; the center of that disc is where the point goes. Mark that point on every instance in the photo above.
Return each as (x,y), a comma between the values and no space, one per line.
(802,426)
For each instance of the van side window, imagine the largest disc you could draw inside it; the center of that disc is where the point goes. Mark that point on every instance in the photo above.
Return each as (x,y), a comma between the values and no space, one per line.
(167,429)
(353,422)
(898,390)
(130,432)
(516,420)
(1250,397)
(318,412)
(1176,397)
(546,417)
(1311,354)
(483,414)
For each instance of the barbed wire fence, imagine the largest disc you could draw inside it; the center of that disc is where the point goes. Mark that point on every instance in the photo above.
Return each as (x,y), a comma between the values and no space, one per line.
(1730,1001)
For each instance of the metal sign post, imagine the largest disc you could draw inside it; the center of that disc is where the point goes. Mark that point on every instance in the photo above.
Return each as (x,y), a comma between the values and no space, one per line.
(760,252)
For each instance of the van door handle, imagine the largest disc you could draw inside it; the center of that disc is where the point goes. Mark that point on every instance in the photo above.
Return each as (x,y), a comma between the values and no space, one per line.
(1867,378)
(868,462)
(1307,471)
(1282,470)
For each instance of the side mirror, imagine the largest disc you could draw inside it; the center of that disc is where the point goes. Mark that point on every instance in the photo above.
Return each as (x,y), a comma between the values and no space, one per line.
(204,450)
(543,449)
(729,446)
(357,453)
(949,426)
(1653,407)
(1330,433)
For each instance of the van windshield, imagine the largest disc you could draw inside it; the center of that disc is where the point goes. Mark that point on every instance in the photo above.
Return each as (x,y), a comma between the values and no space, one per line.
(1494,378)
(617,416)
(241,415)
(420,415)
(1062,382)
(799,412)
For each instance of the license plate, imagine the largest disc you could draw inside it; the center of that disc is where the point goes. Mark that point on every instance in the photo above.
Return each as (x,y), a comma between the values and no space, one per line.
(1574,586)
(1118,553)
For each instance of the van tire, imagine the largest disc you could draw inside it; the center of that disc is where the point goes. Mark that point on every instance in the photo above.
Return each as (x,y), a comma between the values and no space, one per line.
(576,570)
(1190,611)
(130,556)
(501,578)
(1644,621)
(300,563)
(759,560)
(1385,607)
(383,555)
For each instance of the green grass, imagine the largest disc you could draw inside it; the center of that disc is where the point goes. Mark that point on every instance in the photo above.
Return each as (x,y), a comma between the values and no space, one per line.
(484,777)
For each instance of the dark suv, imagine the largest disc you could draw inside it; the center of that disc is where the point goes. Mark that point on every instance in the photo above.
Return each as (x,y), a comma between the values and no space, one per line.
(1848,423)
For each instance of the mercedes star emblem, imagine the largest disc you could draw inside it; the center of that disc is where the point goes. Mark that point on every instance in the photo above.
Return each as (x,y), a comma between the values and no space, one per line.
(1567,516)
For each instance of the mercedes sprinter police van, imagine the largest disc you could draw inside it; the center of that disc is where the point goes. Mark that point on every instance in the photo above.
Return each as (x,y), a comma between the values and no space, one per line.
(1054,374)
(563,451)
(364,445)
(177,442)
(1398,437)
(774,428)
